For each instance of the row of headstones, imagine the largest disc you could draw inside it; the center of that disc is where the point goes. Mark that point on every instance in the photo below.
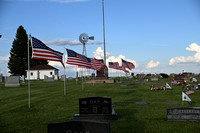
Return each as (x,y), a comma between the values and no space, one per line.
(14,81)
(101,108)
(90,109)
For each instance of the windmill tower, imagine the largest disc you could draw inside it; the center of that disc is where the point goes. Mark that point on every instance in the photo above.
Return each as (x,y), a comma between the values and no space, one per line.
(83,38)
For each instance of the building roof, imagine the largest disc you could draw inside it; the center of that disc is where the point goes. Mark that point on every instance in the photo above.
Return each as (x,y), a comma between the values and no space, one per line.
(43,67)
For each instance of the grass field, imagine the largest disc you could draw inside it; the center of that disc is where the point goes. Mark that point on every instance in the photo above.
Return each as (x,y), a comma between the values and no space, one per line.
(49,104)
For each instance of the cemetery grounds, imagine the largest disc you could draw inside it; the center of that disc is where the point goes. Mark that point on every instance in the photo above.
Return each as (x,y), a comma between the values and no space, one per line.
(49,104)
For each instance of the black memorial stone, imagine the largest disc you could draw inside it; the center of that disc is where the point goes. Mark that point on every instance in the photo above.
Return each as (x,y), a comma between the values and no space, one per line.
(182,114)
(79,126)
(98,108)
(95,105)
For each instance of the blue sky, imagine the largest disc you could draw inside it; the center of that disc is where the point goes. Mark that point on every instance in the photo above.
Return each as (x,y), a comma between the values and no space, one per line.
(156,35)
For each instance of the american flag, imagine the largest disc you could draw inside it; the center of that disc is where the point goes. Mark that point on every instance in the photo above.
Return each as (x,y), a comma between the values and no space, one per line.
(83,61)
(114,65)
(78,59)
(42,52)
(96,64)
(131,65)
(128,65)
(124,69)
(189,92)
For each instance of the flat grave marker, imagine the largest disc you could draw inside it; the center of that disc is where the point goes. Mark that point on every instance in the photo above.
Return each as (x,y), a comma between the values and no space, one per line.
(182,114)
(154,79)
(172,103)
(143,102)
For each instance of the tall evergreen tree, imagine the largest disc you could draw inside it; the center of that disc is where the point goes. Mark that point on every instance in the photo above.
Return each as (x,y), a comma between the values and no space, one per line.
(18,61)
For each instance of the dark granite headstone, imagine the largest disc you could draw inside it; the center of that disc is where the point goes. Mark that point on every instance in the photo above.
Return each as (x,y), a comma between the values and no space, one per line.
(95,105)
(182,114)
(79,126)
(100,108)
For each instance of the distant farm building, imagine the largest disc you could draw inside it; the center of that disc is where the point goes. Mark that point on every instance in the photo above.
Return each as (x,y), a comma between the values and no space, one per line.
(42,71)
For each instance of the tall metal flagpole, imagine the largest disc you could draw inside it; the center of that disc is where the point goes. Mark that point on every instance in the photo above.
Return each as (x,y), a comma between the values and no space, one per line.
(104,33)
(105,71)
(29,90)
(64,74)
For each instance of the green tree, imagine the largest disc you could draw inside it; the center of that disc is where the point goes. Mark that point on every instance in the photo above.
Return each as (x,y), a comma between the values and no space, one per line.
(18,61)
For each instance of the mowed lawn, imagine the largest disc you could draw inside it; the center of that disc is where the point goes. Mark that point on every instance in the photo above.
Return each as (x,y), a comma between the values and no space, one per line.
(49,104)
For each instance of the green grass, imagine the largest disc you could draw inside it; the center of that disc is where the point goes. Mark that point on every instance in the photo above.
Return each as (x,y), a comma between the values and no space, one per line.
(49,104)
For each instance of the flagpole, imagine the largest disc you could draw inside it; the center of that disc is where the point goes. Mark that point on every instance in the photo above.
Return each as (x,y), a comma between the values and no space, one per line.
(76,74)
(64,73)
(29,90)
(82,77)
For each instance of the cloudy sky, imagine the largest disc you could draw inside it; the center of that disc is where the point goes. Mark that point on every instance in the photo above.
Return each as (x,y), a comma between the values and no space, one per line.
(156,35)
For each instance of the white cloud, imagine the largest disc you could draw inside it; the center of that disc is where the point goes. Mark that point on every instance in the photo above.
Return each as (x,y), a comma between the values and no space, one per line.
(194,48)
(68,42)
(4,58)
(99,54)
(190,59)
(4,65)
(152,64)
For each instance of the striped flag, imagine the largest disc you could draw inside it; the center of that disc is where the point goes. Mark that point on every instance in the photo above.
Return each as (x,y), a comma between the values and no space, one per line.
(128,65)
(78,59)
(83,61)
(189,92)
(96,64)
(42,52)
(114,65)
(124,69)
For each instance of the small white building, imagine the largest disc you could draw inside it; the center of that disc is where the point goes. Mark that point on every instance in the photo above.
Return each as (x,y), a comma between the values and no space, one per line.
(40,71)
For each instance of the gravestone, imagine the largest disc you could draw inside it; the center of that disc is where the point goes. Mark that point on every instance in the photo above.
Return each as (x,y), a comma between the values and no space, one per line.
(45,77)
(182,114)
(63,77)
(1,78)
(12,81)
(102,73)
(23,78)
(172,103)
(100,108)
(79,126)
(123,85)
(154,79)
(49,79)
(56,77)
(141,102)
